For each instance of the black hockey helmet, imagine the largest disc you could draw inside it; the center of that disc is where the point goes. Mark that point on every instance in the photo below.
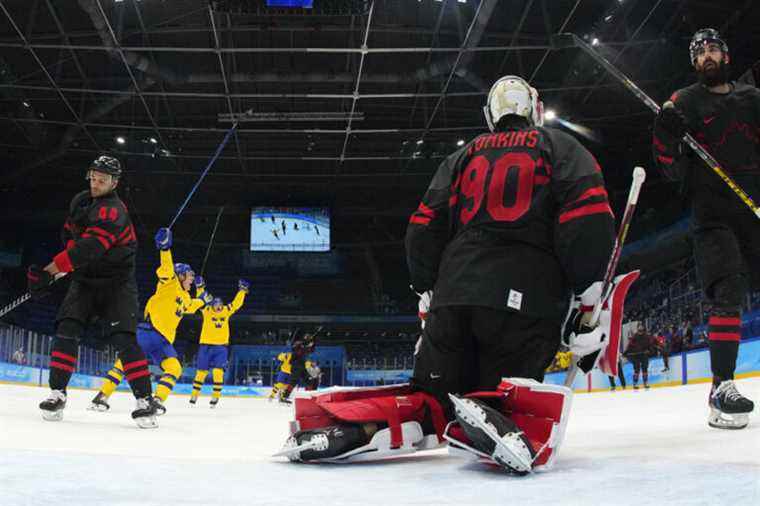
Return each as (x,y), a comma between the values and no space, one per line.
(702,37)
(107,165)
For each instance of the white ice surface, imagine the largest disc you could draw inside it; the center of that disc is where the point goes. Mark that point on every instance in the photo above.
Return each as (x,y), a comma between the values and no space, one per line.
(625,448)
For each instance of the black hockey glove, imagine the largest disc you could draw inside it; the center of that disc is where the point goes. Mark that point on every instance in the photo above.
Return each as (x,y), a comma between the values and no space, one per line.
(671,121)
(38,281)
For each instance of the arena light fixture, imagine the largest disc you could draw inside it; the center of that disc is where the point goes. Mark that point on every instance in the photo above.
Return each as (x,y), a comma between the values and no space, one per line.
(550,115)
(120,140)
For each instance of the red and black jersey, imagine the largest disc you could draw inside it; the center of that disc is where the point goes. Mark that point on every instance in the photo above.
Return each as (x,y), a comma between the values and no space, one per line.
(514,220)
(641,343)
(99,240)
(728,126)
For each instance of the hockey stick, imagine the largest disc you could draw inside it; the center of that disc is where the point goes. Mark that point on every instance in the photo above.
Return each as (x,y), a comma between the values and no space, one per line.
(565,40)
(208,166)
(587,362)
(23,298)
(211,240)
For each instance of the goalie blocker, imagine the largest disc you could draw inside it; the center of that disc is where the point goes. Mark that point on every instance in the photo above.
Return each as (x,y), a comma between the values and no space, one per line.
(519,426)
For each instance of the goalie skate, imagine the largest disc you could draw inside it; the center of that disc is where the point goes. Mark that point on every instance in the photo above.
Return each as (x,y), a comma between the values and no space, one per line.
(320,444)
(510,449)
(326,448)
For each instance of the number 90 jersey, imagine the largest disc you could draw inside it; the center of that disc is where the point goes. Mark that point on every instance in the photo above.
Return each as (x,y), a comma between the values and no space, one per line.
(514,220)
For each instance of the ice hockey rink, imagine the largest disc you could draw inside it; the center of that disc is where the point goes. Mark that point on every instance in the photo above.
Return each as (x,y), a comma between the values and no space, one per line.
(624,448)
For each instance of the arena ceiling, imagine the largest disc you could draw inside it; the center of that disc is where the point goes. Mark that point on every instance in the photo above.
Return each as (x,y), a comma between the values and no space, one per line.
(353,103)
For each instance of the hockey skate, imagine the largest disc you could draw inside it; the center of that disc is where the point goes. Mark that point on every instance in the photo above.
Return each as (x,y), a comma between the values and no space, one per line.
(213,402)
(160,408)
(494,435)
(728,408)
(193,400)
(52,407)
(99,403)
(145,413)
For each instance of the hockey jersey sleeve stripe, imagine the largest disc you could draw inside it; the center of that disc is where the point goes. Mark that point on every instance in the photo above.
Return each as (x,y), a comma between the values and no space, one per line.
(63,261)
(102,240)
(587,210)
(102,233)
(668,160)
(419,220)
(597,191)
(425,210)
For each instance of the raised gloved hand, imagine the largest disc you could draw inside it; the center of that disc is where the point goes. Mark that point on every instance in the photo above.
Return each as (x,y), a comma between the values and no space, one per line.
(163,239)
(200,283)
(38,281)
(206,297)
(244,285)
(671,120)
(578,334)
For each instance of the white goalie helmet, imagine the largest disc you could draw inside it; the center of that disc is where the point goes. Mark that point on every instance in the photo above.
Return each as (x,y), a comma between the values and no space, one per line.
(513,95)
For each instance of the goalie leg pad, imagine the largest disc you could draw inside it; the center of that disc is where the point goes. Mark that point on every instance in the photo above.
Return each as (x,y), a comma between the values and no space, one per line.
(399,413)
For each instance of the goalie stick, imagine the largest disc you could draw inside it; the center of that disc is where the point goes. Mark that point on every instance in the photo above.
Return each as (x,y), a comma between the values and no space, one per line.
(566,40)
(587,363)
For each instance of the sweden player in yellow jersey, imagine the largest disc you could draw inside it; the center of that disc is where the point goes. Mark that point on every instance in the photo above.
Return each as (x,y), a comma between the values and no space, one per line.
(215,336)
(163,312)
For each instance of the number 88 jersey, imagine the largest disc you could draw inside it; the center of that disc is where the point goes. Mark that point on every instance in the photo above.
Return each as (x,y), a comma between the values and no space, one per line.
(514,220)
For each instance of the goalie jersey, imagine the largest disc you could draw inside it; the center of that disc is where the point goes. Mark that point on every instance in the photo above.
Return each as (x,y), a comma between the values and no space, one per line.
(514,220)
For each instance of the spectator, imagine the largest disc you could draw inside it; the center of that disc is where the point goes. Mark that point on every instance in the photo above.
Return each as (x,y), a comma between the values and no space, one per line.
(19,357)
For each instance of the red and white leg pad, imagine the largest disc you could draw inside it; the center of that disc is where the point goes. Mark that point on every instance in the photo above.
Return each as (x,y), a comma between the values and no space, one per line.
(540,411)
(398,407)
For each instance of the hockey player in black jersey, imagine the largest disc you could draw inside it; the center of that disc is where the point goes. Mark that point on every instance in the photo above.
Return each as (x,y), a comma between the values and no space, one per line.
(99,256)
(724,117)
(512,225)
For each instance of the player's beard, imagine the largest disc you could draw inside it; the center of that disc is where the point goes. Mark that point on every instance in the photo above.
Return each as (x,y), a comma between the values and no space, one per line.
(714,75)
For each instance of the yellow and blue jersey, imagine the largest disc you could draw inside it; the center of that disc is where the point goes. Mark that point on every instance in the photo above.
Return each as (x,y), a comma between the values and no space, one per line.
(216,324)
(170,302)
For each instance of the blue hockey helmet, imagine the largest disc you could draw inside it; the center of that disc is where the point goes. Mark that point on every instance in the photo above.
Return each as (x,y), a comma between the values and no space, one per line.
(180,268)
